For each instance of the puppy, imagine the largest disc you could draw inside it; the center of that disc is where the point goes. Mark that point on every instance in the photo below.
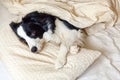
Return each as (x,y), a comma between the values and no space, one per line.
(37,28)
(32,28)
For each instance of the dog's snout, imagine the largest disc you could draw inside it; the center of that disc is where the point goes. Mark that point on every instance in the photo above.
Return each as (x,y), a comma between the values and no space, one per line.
(34,49)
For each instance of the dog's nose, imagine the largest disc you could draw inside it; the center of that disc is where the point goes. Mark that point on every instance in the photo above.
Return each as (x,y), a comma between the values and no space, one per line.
(34,49)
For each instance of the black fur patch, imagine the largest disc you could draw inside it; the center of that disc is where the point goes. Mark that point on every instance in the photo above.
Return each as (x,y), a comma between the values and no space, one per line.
(70,26)
(35,24)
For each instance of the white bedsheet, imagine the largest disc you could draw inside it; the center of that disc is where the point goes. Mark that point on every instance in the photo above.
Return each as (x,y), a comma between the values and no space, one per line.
(5,16)
(4,75)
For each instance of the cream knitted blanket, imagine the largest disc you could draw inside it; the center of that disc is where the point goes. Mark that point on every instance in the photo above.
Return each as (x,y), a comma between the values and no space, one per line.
(93,15)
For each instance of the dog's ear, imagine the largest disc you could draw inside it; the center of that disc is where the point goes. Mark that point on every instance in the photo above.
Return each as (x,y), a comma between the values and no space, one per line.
(29,16)
(26,19)
(33,14)
(14,26)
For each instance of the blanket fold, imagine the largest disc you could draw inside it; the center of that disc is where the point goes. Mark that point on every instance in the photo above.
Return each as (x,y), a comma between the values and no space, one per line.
(24,65)
(92,15)
(81,13)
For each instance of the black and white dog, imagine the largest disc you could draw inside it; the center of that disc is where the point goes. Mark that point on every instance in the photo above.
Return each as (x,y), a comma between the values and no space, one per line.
(37,28)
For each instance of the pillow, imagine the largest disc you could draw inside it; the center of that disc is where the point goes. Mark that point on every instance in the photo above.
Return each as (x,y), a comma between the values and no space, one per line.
(24,65)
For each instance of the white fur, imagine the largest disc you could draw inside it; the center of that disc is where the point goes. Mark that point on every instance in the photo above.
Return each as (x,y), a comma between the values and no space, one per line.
(30,41)
(69,39)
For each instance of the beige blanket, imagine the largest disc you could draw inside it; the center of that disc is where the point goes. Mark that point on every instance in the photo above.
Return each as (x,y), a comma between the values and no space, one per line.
(81,13)
(93,15)
(24,65)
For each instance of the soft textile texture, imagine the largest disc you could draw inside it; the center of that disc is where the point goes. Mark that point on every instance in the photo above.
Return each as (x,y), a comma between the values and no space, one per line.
(96,16)
(24,65)
(81,13)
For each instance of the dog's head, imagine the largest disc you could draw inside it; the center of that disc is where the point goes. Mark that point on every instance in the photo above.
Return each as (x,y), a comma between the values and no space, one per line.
(32,29)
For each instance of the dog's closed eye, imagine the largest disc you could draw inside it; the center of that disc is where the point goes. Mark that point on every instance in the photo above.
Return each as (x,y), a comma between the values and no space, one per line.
(33,33)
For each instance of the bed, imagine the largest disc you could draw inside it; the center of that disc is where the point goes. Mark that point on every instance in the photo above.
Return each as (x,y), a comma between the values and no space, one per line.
(100,61)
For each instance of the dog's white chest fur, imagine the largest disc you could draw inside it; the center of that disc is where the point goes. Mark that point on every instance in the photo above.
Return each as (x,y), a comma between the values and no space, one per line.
(68,38)
(65,34)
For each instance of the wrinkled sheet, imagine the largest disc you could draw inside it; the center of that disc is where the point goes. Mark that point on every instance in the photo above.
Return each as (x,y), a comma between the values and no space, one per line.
(81,13)
(103,35)
(24,65)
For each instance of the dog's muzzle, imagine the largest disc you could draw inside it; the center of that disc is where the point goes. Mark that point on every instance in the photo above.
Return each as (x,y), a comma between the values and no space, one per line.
(34,49)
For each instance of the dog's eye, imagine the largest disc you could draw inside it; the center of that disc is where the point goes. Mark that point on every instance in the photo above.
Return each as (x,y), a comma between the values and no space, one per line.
(32,34)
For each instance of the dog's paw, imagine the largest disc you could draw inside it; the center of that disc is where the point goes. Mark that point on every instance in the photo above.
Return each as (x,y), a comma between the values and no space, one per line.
(59,63)
(74,49)
(55,39)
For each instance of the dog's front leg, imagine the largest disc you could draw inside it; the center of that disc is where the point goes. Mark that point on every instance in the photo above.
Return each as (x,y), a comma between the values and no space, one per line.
(62,56)
(47,36)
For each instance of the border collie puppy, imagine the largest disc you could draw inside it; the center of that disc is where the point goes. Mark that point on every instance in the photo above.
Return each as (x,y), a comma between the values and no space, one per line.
(37,28)
(32,28)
